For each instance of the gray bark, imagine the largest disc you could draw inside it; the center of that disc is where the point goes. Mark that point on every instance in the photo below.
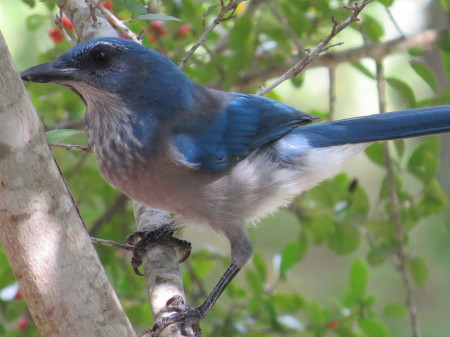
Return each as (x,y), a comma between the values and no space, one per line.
(49,250)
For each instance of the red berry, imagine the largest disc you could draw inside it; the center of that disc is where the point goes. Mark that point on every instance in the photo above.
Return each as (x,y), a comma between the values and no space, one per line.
(67,23)
(18,296)
(183,30)
(153,39)
(55,35)
(107,4)
(333,325)
(23,322)
(157,25)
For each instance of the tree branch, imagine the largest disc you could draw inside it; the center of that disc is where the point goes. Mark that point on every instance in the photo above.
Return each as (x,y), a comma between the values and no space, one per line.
(115,21)
(41,231)
(72,147)
(320,48)
(426,40)
(395,213)
(161,270)
(230,7)
(88,21)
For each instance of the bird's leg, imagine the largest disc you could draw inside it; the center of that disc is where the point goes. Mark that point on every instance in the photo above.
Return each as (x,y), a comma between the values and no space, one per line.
(191,316)
(142,240)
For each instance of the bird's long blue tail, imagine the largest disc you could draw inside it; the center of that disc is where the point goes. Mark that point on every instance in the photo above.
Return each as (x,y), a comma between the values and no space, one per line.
(385,126)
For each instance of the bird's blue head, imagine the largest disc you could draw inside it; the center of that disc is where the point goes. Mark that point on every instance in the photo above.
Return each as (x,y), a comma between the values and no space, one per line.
(138,76)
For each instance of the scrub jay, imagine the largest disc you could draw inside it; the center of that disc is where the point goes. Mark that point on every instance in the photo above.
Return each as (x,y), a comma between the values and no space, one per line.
(213,157)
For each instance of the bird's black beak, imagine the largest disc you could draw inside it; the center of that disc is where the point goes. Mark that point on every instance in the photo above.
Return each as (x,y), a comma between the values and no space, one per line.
(48,72)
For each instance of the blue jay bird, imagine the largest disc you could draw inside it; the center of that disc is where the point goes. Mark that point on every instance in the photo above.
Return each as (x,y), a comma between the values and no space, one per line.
(215,158)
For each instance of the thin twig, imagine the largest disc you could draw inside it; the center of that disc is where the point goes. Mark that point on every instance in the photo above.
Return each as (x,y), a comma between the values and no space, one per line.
(395,213)
(320,48)
(121,27)
(111,244)
(230,7)
(58,22)
(72,147)
(426,40)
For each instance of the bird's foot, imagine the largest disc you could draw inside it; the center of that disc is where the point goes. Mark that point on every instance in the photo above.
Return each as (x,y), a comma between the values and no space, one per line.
(187,316)
(143,240)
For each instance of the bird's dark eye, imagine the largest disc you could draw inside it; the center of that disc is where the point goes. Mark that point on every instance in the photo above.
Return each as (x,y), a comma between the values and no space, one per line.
(101,58)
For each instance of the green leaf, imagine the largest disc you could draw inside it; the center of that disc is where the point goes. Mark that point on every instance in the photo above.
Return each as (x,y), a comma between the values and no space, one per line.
(363,69)
(416,51)
(444,4)
(161,17)
(241,43)
(291,255)
(373,327)
(134,6)
(359,278)
(289,258)
(345,240)
(425,73)
(434,199)
(317,313)
(321,228)
(403,89)
(260,266)
(241,32)
(35,21)
(297,81)
(55,136)
(395,310)
(424,163)
(375,152)
(382,230)
(210,10)
(387,2)
(445,58)
(255,283)
(203,266)
(418,270)
(400,146)
(444,43)
(372,28)
(30,3)
(378,255)
(287,302)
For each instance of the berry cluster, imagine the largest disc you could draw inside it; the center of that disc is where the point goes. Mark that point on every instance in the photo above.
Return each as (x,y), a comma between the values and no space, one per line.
(155,31)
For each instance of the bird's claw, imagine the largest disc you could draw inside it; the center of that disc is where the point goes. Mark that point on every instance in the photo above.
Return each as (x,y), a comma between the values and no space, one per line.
(184,314)
(143,240)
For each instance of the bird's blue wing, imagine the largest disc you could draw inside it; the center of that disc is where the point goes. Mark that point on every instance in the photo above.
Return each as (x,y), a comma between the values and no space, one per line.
(245,123)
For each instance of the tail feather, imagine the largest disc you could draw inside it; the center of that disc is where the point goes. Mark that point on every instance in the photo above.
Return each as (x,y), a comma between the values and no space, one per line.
(385,126)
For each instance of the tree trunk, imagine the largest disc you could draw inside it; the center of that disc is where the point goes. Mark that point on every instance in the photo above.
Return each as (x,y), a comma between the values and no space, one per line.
(49,250)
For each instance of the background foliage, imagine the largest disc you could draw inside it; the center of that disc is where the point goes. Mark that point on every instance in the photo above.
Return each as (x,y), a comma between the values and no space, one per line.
(329,264)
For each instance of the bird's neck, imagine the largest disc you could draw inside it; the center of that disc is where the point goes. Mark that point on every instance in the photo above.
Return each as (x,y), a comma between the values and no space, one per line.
(119,136)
